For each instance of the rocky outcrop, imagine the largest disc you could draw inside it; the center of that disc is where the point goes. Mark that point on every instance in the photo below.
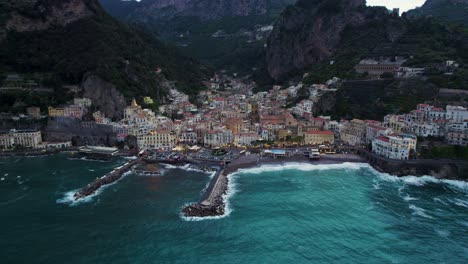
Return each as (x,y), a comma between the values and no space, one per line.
(202,9)
(42,14)
(311,31)
(105,96)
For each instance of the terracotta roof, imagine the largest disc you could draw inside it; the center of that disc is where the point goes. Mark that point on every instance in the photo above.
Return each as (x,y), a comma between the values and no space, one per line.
(386,139)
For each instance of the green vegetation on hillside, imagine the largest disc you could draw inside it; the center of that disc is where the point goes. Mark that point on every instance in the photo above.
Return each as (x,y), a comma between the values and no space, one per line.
(451,11)
(122,55)
(447,152)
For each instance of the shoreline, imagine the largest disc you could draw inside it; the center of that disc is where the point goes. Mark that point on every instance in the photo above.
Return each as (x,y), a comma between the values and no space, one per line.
(213,201)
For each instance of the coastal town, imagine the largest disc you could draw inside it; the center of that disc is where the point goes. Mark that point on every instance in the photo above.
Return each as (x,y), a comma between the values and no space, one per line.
(228,114)
(231,125)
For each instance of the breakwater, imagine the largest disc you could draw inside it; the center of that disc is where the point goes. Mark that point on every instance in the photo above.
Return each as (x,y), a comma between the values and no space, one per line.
(212,202)
(109,178)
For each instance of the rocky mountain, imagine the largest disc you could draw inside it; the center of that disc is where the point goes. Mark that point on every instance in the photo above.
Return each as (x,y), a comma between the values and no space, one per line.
(202,9)
(331,36)
(75,43)
(228,34)
(455,11)
(311,31)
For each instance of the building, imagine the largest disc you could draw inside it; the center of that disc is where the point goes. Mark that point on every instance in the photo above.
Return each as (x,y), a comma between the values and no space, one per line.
(188,137)
(24,138)
(245,139)
(7,141)
(354,132)
(456,114)
(56,112)
(73,111)
(319,137)
(33,111)
(218,138)
(82,102)
(458,134)
(157,140)
(407,72)
(395,146)
(377,68)
(236,125)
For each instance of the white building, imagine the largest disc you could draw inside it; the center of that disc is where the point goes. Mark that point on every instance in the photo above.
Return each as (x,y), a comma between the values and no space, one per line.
(24,138)
(395,146)
(457,114)
(83,102)
(218,138)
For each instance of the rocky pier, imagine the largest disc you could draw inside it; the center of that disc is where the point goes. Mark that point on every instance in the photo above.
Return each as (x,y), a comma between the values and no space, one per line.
(212,202)
(112,177)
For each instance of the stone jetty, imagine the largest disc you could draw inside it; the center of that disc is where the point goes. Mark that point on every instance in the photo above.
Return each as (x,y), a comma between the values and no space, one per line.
(212,202)
(112,177)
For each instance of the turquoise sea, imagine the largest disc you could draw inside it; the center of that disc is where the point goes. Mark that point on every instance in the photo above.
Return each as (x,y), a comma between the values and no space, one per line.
(299,213)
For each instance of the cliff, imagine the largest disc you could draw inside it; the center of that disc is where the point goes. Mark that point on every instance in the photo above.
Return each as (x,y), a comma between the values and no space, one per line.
(202,9)
(454,11)
(65,42)
(311,31)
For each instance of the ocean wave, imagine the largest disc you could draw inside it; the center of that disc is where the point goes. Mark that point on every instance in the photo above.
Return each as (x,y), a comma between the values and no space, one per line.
(442,233)
(304,167)
(409,198)
(68,197)
(419,211)
(439,201)
(460,202)
(423,180)
(231,191)
(13,200)
(187,167)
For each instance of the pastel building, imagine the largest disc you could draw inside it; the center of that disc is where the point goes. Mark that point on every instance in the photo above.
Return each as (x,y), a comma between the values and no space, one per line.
(395,146)
(319,137)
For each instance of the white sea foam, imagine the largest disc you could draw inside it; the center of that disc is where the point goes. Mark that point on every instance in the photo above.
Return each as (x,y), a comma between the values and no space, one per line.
(439,201)
(442,233)
(187,167)
(6,174)
(409,198)
(169,166)
(68,197)
(305,167)
(460,202)
(376,186)
(90,170)
(2,179)
(419,211)
(423,180)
